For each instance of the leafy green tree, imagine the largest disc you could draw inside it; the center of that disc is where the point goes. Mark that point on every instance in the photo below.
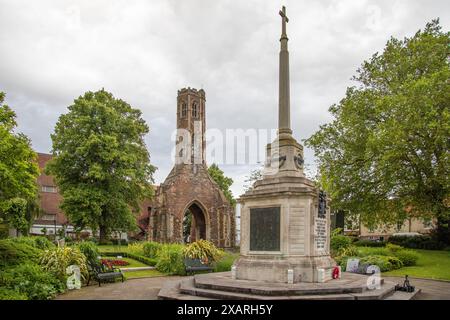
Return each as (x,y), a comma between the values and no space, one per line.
(18,173)
(255,175)
(385,156)
(101,163)
(224,182)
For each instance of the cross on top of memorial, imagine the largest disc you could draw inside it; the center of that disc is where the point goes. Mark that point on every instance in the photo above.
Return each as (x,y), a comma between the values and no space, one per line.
(284,20)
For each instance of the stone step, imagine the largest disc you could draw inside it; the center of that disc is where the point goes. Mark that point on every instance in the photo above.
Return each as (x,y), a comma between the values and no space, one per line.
(400,295)
(350,284)
(187,287)
(186,290)
(377,294)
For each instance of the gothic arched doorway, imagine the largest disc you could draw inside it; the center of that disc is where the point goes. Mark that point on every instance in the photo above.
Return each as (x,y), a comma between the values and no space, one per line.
(194,223)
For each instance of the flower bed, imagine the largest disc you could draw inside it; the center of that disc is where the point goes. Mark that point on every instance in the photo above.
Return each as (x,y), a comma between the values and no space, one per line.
(114,262)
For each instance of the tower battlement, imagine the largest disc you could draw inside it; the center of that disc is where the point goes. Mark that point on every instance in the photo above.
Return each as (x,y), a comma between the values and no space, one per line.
(192,91)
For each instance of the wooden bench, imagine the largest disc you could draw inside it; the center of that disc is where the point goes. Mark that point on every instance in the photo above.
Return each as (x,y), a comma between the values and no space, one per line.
(101,273)
(193,265)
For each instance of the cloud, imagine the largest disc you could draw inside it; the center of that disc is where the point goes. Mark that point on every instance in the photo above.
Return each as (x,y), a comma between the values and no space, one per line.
(144,51)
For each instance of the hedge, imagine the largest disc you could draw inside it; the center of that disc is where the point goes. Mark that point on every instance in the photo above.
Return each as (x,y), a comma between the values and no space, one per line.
(369,243)
(145,260)
(417,242)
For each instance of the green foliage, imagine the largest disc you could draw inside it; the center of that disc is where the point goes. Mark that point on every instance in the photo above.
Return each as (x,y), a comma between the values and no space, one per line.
(151,249)
(203,250)
(337,232)
(8,294)
(226,262)
(101,163)
(38,242)
(350,251)
(136,248)
(339,242)
(369,243)
(386,149)
(385,263)
(254,176)
(393,247)
(222,181)
(18,172)
(171,259)
(14,252)
(417,242)
(56,261)
(148,261)
(407,257)
(90,251)
(31,281)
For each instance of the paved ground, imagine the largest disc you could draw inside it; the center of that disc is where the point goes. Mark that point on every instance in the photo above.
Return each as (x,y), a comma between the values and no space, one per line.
(431,289)
(148,288)
(132,289)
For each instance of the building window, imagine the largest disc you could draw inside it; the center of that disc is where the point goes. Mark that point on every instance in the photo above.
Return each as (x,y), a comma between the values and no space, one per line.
(50,189)
(184,110)
(195,110)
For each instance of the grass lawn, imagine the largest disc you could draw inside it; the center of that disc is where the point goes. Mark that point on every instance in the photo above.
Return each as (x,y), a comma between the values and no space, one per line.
(432,264)
(132,263)
(143,274)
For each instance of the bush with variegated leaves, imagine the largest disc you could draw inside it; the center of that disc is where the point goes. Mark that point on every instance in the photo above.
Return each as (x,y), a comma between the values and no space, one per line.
(204,250)
(58,259)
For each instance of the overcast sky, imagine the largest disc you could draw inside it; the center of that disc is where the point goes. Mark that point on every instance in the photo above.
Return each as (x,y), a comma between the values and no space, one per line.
(144,51)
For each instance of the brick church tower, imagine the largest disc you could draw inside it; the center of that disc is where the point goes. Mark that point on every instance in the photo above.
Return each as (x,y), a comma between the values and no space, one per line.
(191,123)
(189,205)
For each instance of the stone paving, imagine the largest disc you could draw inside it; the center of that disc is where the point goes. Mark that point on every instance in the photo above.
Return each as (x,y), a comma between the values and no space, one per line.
(148,288)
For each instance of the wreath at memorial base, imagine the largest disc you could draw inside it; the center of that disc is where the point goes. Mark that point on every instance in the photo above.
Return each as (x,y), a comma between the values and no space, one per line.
(336,273)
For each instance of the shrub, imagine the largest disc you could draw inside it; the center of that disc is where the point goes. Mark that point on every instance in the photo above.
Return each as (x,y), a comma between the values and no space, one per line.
(136,248)
(151,249)
(407,257)
(8,294)
(374,252)
(38,242)
(171,259)
(349,251)
(58,259)
(225,263)
(339,242)
(90,251)
(417,242)
(33,282)
(203,250)
(16,252)
(393,247)
(385,263)
(369,243)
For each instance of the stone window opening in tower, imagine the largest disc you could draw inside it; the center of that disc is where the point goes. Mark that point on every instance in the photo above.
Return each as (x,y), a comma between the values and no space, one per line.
(195,110)
(183,110)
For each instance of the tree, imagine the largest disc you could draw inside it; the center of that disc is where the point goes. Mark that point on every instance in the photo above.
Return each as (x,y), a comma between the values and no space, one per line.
(385,156)
(18,173)
(101,163)
(224,182)
(255,175)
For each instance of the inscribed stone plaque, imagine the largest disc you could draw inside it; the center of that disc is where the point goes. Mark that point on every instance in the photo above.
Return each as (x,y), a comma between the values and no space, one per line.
(320,234)
(265,229)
